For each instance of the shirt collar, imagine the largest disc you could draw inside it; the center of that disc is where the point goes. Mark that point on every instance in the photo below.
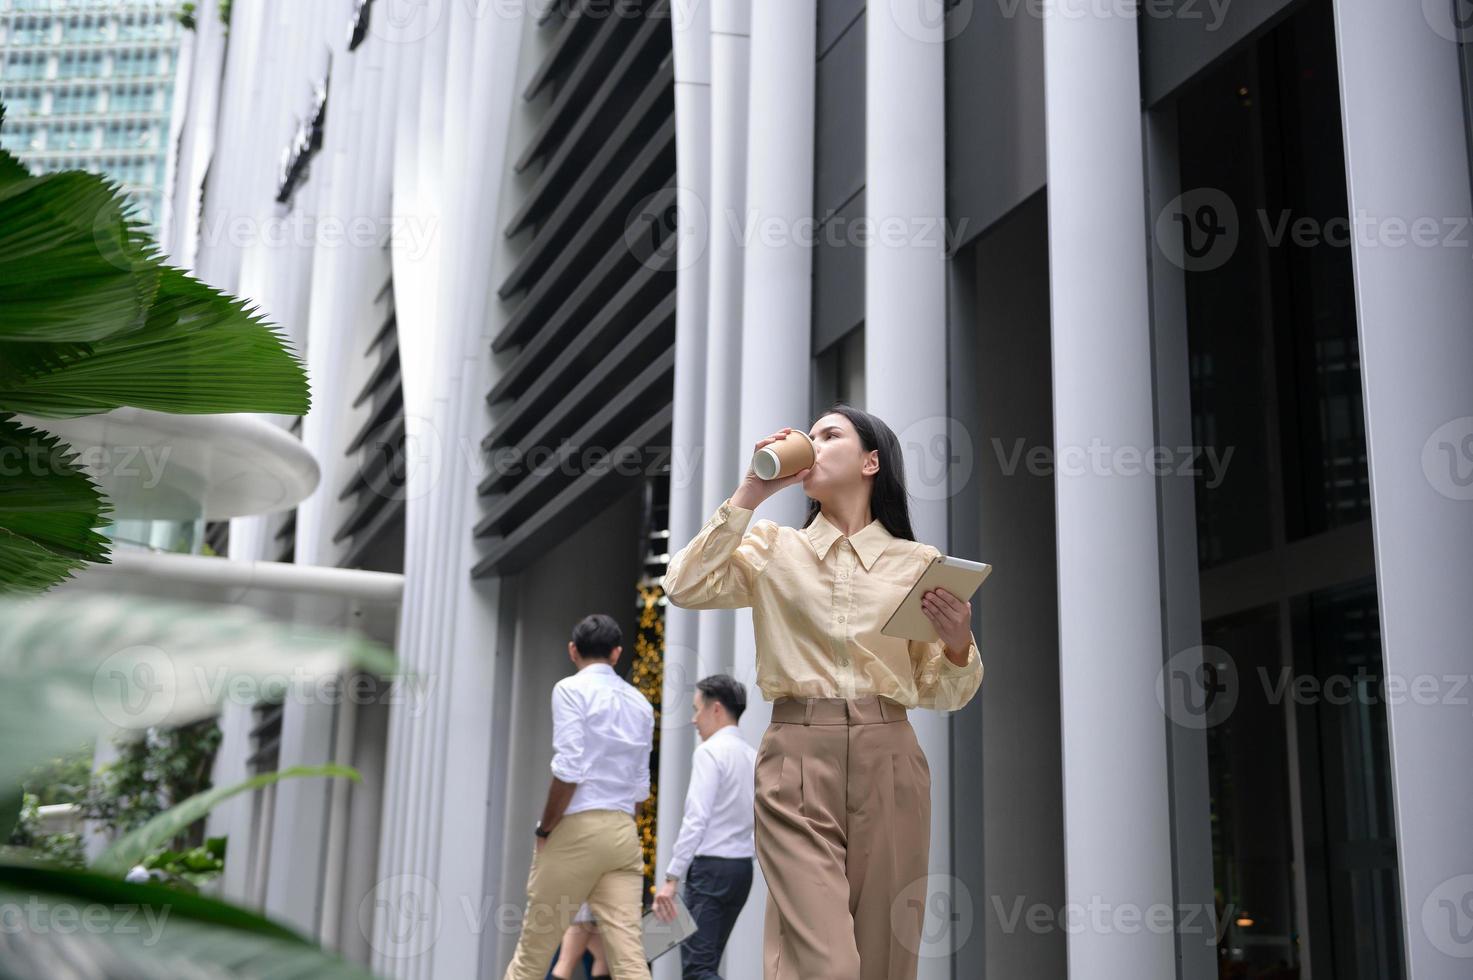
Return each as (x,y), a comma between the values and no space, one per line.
(869,542)
(601,668)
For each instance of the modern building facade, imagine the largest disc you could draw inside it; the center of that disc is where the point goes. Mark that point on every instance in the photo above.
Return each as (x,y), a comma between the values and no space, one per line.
(89,85)
(1169,303)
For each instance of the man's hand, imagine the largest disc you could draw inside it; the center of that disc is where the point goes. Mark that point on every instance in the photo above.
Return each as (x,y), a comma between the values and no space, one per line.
(541,843)
(665,901)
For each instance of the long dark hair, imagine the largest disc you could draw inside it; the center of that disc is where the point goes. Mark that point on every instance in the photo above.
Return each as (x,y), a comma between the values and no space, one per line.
(888,501)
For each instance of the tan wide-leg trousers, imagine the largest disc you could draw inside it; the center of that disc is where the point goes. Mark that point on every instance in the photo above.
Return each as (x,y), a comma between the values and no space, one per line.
(843,834)
(591,856)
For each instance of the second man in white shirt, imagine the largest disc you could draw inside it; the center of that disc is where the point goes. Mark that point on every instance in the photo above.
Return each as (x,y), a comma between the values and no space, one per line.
(714,852)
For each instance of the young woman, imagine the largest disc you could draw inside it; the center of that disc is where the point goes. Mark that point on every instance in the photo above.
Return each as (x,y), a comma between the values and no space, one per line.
(843,790)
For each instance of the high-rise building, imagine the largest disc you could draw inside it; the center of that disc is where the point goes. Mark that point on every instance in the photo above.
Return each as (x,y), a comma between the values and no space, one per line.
(89,85)
(1167,304)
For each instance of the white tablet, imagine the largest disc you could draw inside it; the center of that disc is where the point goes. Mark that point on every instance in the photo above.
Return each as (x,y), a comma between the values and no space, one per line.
(661,937)
(960,577)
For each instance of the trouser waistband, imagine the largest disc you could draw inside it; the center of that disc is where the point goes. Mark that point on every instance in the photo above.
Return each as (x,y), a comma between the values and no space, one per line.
(870,709)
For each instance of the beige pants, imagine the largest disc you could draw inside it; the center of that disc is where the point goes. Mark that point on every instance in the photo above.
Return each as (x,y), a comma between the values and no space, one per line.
(843,834)
(591,856)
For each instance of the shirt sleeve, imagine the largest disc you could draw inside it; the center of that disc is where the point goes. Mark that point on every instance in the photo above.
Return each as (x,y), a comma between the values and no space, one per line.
(568,761)
(940,684)
(720,566)
(642,786)
(700,797)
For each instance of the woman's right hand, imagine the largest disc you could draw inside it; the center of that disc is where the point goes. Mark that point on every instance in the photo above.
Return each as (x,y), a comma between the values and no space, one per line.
(754,489)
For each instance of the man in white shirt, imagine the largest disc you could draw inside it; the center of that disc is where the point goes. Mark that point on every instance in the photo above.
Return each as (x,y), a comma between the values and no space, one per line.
(587,845)
(715,848)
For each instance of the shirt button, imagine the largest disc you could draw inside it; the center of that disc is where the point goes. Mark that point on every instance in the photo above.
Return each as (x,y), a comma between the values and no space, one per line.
(841,619)
(843,661)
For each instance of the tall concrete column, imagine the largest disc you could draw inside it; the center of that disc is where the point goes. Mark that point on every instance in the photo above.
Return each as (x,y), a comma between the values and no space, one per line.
(777,305)
(691,51)
(1406,164)
(905,346)
(730,35)
(1116,809)
(295,887)
(440,860)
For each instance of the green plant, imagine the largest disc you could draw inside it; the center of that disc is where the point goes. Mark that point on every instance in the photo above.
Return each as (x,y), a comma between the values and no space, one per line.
(53,650)
(185,16)
(189,869)
(62,850)
(154,769)
(93,320)
(133,847)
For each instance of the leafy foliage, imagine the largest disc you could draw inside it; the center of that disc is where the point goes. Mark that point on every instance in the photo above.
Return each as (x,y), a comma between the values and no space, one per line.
(92,319)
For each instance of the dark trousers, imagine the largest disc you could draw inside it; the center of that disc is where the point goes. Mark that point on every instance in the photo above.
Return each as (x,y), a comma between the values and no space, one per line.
(715,890)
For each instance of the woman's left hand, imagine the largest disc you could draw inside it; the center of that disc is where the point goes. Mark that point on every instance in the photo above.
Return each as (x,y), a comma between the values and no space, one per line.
(951,617)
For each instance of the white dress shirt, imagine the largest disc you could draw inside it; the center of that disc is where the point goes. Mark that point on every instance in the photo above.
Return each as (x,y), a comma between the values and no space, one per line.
(602,733)
(718,804)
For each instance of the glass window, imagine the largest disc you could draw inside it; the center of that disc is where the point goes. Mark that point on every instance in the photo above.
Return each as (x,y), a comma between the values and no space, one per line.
(1274,375)
(74,101)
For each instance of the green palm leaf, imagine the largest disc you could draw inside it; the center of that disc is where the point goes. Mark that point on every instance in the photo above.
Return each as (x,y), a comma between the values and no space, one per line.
(49,510)
(70,269)
(137,844)
(199,351)
(79,925)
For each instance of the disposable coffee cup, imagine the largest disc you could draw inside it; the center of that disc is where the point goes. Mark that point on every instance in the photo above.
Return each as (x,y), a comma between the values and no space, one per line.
(791,453)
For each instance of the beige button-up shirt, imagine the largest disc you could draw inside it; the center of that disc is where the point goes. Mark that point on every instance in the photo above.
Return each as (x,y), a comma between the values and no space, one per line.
(818,600)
